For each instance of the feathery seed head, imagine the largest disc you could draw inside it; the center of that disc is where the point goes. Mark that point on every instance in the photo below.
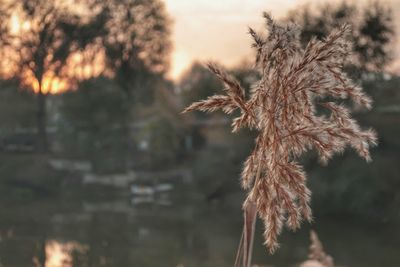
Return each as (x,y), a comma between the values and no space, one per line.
(282,107)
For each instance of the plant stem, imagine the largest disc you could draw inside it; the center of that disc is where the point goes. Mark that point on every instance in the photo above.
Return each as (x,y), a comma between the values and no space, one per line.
(245,249)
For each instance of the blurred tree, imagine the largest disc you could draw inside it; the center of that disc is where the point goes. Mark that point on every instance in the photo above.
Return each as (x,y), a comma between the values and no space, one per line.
(37,38)
(375,33)
(372,31)
(136,49)
(137,45)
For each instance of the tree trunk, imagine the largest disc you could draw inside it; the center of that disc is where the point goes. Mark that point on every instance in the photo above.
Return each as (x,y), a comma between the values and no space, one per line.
(42,121)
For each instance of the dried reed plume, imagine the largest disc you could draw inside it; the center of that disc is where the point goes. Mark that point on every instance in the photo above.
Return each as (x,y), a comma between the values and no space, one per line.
(289,108)
(317,256)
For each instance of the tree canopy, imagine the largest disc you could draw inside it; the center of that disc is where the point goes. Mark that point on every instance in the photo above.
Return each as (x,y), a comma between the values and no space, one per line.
(372,30)
(50,47)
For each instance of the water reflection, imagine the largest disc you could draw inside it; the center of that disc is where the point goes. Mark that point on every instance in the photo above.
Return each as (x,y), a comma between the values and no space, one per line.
(189,231)
(61,254)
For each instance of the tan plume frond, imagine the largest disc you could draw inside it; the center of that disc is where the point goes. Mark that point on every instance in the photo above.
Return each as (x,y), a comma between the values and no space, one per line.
(211,104)
(282,107)
(317,252)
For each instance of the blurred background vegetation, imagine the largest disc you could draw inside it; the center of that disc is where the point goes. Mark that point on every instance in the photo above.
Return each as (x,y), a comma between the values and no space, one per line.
(90,126)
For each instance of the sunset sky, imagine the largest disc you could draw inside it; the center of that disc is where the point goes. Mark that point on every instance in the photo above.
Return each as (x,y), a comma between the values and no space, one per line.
(217,30)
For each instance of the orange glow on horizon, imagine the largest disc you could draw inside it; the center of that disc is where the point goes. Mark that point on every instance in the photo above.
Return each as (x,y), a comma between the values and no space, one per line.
(50,84)
(180,63)
(77,68)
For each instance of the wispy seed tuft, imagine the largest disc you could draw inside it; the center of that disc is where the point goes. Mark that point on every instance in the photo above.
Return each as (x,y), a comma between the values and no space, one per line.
(282,106)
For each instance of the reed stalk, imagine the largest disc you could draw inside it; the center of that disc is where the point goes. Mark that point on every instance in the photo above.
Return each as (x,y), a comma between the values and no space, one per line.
(299,104)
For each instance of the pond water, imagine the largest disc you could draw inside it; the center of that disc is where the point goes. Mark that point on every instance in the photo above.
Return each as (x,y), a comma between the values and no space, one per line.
(170,232)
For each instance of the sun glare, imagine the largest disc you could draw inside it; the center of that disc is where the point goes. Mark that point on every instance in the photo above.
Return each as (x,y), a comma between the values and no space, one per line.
(180,62)
(78,68)
(15,24)
(50,84)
